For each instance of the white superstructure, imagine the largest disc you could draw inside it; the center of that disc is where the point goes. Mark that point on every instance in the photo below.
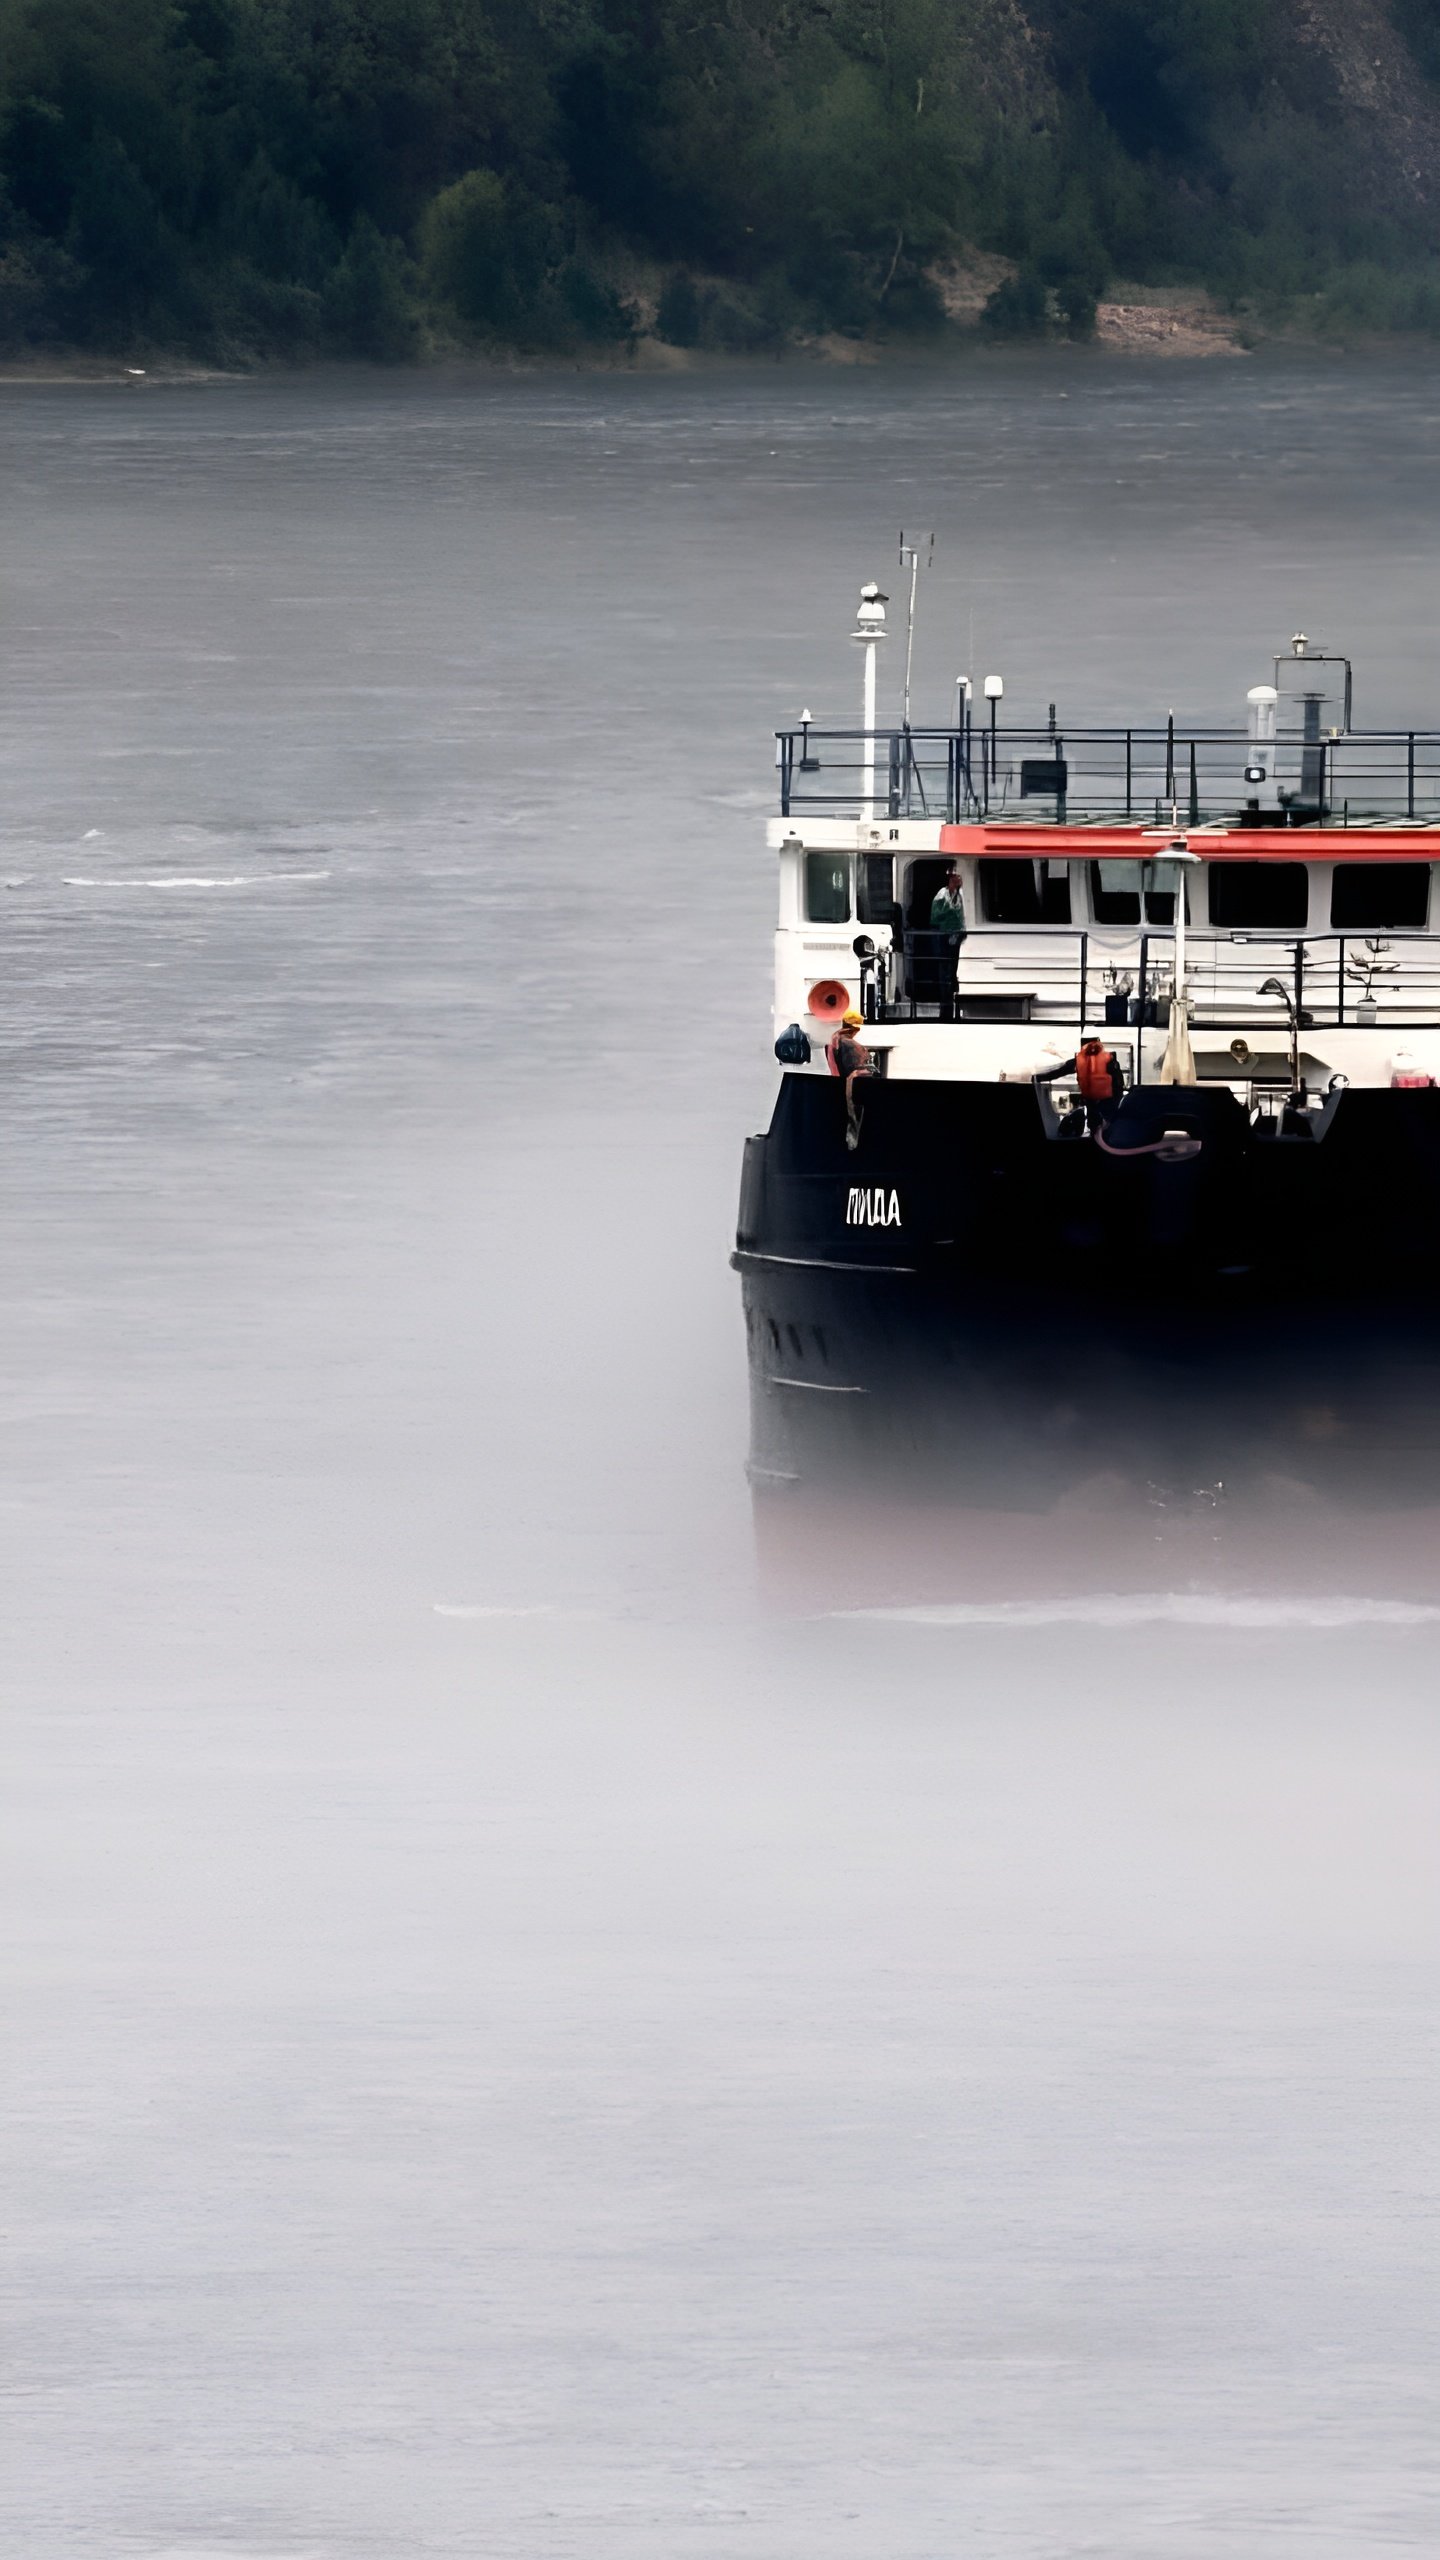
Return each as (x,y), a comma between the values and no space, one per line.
(1311,923)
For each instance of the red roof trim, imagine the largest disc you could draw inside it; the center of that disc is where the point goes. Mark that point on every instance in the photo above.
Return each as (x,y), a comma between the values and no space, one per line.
(1235,844)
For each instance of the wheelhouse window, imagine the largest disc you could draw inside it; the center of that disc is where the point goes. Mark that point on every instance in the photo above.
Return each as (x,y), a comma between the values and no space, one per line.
(1263,897)
(827,888)
(1158,891)
(1366,896)
(1115,892)
(1025,892)
(876,884)
(1134,893)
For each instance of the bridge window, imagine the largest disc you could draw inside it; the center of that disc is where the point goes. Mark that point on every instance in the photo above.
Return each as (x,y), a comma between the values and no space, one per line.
(827,888)
(1118,890)
(1025,892)
(876,884)
(1261,897)
(1115,892)
(1158,880)
(1367,895)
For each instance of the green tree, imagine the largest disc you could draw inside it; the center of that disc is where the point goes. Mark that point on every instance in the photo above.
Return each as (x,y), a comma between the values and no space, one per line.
(486,253)
(1019,307)
(679,312)
(369,304)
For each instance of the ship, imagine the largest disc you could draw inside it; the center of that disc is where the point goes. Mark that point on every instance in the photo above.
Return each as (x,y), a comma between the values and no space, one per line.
(953,1264)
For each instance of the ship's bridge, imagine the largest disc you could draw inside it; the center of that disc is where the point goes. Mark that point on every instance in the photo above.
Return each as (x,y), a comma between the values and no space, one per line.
(1074,928)
(1271,886)
(1310,934)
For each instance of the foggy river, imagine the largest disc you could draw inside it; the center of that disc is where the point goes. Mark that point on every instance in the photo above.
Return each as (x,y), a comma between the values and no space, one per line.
(531,2034)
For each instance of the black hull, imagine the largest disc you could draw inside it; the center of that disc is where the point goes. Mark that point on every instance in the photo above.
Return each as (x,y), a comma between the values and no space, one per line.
(962,1186)
(1055,1363)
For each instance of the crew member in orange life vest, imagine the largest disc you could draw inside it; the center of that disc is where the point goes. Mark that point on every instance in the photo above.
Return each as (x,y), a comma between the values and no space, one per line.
(1101,1079)
(849,1059)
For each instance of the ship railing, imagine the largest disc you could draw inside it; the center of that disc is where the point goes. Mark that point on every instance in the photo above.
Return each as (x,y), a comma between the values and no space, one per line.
(1331,981)
(1078,777)
(1064,978)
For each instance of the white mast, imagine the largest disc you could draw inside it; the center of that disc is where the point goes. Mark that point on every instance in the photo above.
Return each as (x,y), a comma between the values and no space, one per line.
(869,631)
(1178,1064)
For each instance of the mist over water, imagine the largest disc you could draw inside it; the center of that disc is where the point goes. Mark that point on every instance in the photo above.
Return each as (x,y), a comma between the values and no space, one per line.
(549,2015)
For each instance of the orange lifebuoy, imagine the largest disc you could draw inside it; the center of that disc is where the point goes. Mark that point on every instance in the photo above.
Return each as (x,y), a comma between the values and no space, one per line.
(828,997)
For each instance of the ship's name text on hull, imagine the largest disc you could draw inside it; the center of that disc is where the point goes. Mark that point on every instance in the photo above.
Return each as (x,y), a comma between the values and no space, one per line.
(874,1208)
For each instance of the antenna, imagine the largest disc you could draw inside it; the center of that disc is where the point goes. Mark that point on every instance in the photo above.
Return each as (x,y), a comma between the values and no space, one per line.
(910,557)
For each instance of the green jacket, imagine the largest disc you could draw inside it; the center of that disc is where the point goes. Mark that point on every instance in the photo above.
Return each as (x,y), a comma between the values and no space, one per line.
(947,914)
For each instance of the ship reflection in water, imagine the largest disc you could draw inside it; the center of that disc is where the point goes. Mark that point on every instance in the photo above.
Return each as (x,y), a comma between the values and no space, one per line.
(1044,1462)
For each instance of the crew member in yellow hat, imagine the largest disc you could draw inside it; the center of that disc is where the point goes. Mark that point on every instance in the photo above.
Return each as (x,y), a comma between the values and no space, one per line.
(850,1060)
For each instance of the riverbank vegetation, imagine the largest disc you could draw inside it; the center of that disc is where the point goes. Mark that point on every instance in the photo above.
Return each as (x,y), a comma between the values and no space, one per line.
(238,180)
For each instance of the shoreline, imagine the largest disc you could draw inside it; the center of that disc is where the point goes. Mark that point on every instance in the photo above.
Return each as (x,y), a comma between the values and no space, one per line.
(1175,330)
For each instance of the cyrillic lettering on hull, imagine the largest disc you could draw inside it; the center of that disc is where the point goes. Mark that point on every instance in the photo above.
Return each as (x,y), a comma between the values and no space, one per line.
(872,1208)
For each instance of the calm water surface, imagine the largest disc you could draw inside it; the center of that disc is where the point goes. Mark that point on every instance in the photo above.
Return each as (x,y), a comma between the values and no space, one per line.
(515,2048)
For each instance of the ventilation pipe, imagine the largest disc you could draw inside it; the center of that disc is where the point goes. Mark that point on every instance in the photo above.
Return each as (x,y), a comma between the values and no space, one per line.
(1312,754)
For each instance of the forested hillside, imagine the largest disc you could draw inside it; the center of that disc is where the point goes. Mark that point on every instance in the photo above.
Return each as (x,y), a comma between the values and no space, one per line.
(237,179)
